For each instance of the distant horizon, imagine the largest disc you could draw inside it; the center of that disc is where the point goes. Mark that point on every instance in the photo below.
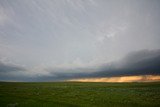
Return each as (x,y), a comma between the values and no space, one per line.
(117,79)
(121,79)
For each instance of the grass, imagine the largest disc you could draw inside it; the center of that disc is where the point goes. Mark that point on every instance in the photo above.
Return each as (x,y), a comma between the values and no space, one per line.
(76,94)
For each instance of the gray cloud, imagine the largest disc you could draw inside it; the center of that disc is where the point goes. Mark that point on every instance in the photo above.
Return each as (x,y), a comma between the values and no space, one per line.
(5,68)
(144,62)
(137,63)
(58,40)
(10,71)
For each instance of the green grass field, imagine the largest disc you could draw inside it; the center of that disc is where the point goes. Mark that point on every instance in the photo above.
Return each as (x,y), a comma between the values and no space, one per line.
(74,94)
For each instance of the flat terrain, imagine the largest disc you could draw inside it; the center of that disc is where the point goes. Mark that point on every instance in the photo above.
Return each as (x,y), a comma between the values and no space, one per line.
(74,94)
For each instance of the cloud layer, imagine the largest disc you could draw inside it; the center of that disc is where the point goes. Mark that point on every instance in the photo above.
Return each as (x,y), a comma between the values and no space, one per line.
(58,40)
(145,62)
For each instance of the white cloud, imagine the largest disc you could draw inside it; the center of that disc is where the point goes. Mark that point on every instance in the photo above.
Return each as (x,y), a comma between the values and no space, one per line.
(3,16)
(110,32)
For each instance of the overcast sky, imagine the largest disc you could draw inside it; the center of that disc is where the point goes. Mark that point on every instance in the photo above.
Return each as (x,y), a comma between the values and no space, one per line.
(63,39)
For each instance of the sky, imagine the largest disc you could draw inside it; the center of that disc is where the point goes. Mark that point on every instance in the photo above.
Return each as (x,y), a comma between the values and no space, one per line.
(52,40)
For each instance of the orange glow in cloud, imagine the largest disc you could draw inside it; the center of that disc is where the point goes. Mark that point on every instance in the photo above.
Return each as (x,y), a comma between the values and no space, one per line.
(141,78)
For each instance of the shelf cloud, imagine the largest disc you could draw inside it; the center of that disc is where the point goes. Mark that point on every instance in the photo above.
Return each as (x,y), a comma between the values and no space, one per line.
(145,62)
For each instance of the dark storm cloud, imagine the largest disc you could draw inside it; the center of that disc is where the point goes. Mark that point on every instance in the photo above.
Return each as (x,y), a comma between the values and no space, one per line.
(46,40)
(5,68)
(9,71)
(137,63)
(143,62)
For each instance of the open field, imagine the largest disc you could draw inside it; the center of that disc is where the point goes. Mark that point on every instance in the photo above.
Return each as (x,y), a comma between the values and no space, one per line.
(74,94)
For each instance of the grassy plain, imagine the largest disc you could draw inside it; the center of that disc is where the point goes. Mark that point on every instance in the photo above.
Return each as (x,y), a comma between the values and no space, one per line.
(76,94)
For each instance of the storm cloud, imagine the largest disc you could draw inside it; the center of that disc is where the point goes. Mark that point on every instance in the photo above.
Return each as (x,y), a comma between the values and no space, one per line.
(137,63)
(9,68)
(145,62)
(10,71)
(59,40)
